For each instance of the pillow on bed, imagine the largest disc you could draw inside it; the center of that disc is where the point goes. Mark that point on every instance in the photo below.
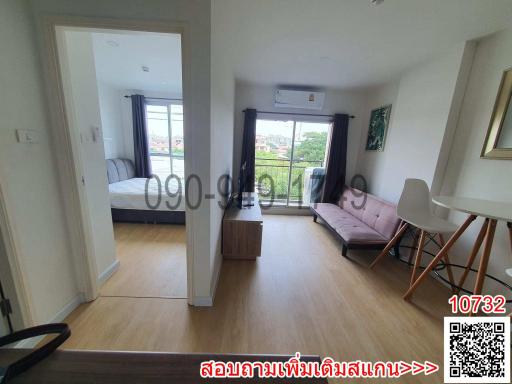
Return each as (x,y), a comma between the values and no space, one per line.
(119,170)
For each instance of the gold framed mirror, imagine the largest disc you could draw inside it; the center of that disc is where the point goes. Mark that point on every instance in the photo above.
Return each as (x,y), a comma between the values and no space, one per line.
(498,142)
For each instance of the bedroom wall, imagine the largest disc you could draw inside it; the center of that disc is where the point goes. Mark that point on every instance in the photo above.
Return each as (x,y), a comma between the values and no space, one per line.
(111,121)
(28,171)
(196,16)
(469,175)
(426,102)
(261,97)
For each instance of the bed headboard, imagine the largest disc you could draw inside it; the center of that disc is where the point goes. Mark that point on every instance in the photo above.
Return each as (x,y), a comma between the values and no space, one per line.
(119,170)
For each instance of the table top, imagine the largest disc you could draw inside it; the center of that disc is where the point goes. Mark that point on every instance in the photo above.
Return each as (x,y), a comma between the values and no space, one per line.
(479,207)
(248,214)
(99,367)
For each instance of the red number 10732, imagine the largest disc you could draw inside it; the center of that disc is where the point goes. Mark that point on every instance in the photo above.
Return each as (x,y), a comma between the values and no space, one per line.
(474,303)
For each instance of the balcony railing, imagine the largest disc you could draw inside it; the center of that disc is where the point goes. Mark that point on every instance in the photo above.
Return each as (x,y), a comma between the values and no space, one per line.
(281,181)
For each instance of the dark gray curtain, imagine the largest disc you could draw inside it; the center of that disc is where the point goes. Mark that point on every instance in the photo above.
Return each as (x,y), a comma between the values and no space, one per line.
(248,151)
(140,137)
(336,160)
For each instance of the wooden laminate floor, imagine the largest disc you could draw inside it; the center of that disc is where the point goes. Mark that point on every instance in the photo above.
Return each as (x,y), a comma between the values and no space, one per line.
(152,261)
(301,295)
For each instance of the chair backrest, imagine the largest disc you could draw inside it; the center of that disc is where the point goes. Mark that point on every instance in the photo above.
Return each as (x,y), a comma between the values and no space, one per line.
(415,201)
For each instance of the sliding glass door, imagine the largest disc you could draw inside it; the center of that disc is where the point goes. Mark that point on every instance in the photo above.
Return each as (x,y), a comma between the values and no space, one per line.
(285,150)
(165,134)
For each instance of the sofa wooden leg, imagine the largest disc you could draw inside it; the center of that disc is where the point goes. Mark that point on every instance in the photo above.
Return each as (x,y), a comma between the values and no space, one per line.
(344,250)
(315,217)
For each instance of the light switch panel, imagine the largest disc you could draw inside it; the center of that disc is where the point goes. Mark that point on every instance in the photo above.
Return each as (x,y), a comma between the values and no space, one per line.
(27,136)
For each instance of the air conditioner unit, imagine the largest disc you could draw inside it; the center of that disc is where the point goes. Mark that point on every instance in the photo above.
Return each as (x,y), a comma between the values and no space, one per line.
(299,99)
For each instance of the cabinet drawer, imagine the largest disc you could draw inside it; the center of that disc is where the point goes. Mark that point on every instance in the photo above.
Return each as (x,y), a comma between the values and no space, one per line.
(242,240)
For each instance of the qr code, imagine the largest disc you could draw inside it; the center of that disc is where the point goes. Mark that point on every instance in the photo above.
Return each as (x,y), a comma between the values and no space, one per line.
(477,349)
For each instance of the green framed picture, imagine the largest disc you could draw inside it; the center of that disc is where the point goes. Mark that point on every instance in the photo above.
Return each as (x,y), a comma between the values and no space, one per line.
(379,121)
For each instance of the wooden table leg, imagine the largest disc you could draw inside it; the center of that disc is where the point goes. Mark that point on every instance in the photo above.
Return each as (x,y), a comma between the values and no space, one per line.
(509,225)
(400,232)
(472,256)
(484,261)
(440,256)
(447,261)
(416,238)
(419,255)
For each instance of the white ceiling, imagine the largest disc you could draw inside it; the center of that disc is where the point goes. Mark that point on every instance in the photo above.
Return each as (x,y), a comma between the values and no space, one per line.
(121,65)
(345,43)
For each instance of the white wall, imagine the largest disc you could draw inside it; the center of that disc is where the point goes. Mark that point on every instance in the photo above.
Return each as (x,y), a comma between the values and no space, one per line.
(469,175)
(261,97)
(111,121)
(222,121)
(195,14)
(83,107)
(28,172)
(424,100)
(372,164)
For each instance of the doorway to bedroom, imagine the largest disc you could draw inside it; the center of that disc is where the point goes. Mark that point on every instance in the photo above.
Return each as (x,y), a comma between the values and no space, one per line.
(123,96)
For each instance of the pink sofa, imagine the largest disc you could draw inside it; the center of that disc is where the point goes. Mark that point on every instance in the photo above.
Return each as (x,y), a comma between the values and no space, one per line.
(359,219)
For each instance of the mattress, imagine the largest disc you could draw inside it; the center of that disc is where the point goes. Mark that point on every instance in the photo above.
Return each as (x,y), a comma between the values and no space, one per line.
(131,194)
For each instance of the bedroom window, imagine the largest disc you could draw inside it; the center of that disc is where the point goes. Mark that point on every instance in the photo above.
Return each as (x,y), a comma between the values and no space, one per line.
(165,136)
(286,153)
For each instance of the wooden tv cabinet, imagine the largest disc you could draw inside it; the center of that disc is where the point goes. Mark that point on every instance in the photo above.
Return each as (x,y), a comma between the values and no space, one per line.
(241,232)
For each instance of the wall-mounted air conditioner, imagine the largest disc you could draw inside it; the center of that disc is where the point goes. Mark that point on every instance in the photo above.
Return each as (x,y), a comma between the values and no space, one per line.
(299,99)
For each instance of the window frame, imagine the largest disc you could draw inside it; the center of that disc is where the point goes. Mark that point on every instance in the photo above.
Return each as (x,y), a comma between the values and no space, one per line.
(297,119)
(168,104)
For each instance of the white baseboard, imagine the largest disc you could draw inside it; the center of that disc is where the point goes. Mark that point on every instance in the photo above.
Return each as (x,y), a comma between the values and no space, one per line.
(202,301)
(207,301)
(105,275)
(58,318)
(291,211)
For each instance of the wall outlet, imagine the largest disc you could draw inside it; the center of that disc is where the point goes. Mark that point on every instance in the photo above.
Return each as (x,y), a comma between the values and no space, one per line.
(27,136)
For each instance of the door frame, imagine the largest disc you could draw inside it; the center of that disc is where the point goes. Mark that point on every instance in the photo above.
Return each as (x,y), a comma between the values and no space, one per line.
(11,243)
(69,163)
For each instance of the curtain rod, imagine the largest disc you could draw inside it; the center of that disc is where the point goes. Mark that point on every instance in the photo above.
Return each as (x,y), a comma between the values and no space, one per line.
(297,114)
(157,98)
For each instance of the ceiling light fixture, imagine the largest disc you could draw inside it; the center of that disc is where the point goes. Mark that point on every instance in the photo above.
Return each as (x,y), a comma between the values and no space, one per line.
(145,69)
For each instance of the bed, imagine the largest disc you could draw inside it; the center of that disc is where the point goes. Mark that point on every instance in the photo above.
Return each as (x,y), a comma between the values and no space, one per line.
(129,201)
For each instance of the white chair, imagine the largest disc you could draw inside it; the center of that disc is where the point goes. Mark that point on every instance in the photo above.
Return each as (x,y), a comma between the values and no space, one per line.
(415,209)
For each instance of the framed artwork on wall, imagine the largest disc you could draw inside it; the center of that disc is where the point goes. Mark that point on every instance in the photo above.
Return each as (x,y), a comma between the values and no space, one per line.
(379,121)
(498,142)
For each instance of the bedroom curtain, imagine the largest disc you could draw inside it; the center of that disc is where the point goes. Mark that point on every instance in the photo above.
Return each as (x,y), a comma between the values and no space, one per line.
(140,137)
(336,159)
(248,150)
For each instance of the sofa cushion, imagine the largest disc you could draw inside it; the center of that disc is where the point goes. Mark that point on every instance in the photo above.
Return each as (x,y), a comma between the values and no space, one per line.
(332,214)
(374,212)
(356,231)
(350,228)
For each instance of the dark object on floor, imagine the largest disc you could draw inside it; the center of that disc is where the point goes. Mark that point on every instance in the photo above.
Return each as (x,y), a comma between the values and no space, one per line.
(17,365)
